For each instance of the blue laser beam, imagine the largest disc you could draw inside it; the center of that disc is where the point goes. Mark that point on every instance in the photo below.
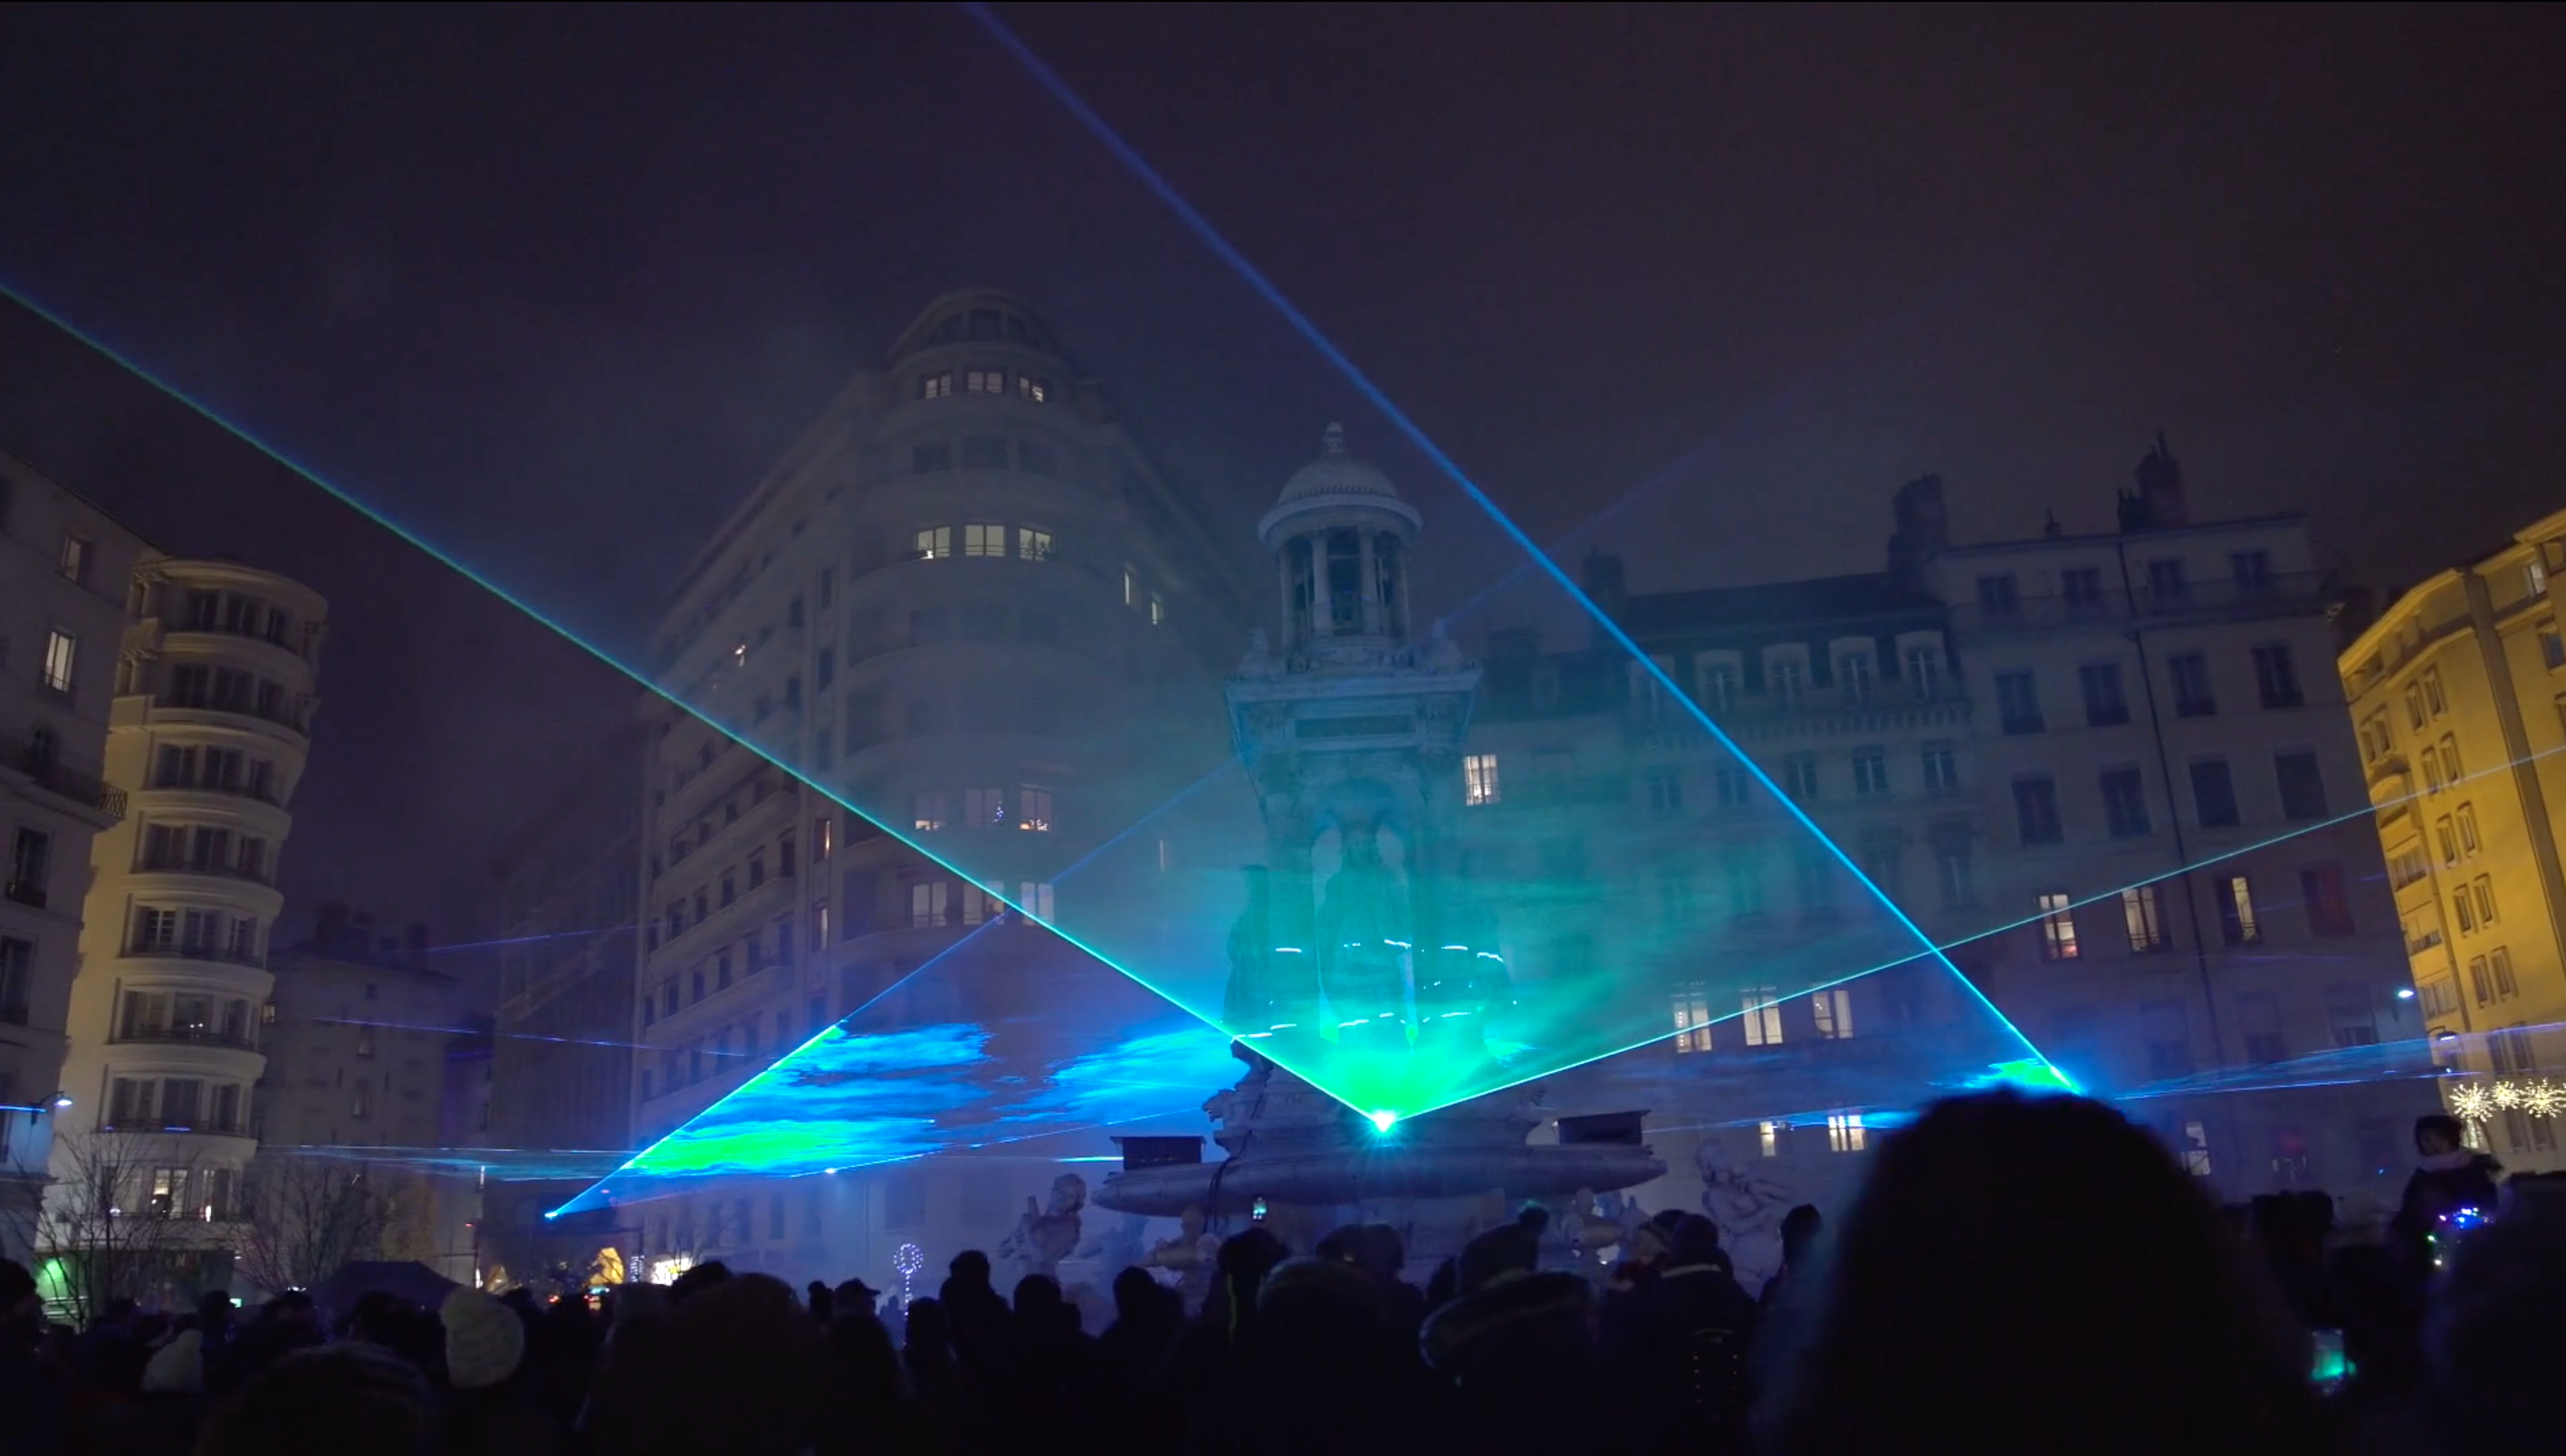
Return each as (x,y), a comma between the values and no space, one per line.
(447,559)
(1221,247)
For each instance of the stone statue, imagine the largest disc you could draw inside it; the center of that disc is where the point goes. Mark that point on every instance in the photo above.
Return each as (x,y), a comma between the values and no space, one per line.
(1044,1237)
(1258,997)
(1119,1245)
(1190,1256)
(1364,939)
(1748,1205)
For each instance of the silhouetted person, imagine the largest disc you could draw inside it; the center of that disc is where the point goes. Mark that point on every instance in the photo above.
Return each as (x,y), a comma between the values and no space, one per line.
(977,1314)
(2449,1176)
(2038,1270)
(1516,1348)
(1800,1228)
(326,1402)
(1147,1318)
(2495,1342)
(1680,1341)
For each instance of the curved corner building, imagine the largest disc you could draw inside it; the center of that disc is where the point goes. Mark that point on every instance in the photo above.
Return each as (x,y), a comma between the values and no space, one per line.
(207,737)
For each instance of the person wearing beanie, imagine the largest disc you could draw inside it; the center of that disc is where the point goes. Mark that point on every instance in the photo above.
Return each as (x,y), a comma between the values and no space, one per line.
(484,1340)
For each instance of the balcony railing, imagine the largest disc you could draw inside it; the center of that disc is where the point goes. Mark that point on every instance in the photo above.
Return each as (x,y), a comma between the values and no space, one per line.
(204,1125)
(182,864)
(258,794)
(219,955)
(187,1037)
(40,763)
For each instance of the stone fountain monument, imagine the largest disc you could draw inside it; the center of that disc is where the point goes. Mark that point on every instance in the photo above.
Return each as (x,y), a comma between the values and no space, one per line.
(1350,730)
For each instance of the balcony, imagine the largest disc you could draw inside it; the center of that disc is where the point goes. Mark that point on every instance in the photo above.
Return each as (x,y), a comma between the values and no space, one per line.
(240,1041)
(256,793)
(215,954)
(202,1127)
(39,762)
(171,864)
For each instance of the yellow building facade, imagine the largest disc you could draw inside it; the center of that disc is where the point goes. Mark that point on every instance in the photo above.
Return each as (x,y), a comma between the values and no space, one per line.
(2457,692)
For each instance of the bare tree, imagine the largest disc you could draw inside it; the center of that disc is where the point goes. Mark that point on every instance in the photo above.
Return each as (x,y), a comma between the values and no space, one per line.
(117,1222)
(304,1218)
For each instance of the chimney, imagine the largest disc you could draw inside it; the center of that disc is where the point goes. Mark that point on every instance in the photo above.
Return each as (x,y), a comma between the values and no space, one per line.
(1602,580)
(1922,530)
(2159,477)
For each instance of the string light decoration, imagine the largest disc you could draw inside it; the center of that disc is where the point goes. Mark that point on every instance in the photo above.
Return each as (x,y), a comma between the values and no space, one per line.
(2479,1101)
(908,1258)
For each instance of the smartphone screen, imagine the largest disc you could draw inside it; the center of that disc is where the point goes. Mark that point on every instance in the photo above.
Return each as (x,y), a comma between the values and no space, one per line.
(2331,1367)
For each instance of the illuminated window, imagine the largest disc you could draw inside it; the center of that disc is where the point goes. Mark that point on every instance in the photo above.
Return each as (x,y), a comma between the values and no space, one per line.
(978,905)
(1130,588)
(983,806)
(984,540)
(824,836)
(927,809)
(2196,1150)
(2057,926)
(820,924)
(1158,610)
(1479,778)
(985,381)
(1761,1015)
(1037,390)
(169,1191)
(1768,1138)
(1033,811)
(1035,897)
(2143,912)
(2237,922)
(1832,1009)
(1033,545)
(1692,1018)
(934,542)
(62,649)
(936,385)
(1845,1132)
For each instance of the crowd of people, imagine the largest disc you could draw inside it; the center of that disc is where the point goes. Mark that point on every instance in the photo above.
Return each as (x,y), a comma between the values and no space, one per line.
(2017,1271)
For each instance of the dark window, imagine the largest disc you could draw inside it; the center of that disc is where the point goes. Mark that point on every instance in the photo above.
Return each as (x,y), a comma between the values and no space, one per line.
(2082,586)
(2125,802)
(2329,911)
(1999,597)
(2166,585)
(1038,458)
(2035,809)
(2302,787)
(2105,705)
(927,458)
(2276,677)
(2018,701)
(985,452)
(2192,696)
(2214,794)
(2252,570)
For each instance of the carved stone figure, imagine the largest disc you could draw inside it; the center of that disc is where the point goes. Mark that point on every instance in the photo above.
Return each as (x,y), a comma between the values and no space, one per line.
(1190,1256)
(1044,1237)
(1747,1204)
(1363,934)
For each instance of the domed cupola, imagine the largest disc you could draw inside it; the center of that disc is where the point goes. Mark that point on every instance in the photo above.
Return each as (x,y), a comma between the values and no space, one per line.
(1340,535)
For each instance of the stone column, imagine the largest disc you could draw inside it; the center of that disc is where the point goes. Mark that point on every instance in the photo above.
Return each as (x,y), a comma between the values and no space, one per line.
(1369,585)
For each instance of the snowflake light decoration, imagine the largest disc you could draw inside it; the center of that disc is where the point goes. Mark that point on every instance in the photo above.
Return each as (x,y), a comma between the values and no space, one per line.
(2543,1098)
(2506,1095)
(2471,1100)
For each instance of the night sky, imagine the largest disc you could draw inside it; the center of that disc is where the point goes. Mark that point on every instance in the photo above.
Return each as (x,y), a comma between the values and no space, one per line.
(554,287)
